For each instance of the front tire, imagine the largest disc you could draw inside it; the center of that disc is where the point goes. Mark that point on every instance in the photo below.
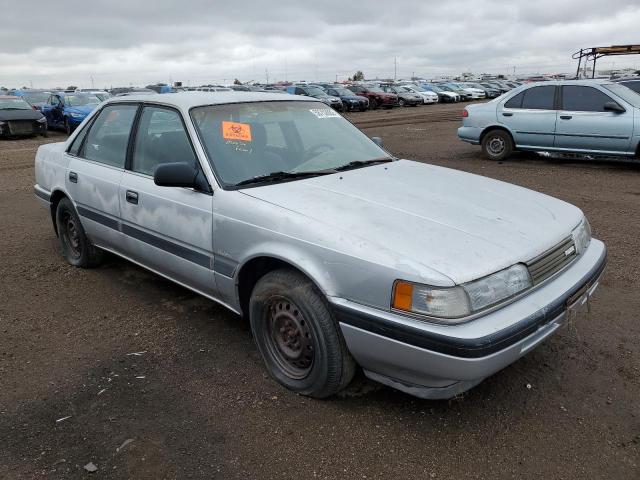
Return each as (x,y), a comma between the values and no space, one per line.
(497,145)
(373,104)
(300,342)
(67,126)
(77,249)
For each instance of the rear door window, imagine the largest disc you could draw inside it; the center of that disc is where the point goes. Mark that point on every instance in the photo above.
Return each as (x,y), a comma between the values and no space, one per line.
(108,137)
(515,102)
(539,98)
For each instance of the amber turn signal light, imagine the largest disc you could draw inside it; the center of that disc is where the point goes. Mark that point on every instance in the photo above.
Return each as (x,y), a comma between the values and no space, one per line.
(402,295)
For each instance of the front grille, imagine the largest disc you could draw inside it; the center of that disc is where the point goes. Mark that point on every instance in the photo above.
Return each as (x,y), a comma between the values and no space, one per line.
(552,261)
(17,127)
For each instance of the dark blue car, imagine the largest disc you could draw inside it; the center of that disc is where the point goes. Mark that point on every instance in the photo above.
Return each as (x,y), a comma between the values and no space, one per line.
(67,110)
(350,100)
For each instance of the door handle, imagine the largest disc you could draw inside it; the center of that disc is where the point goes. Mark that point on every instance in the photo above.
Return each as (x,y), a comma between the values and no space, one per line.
(132,197)
(566,117)
(507,114)
(73,177)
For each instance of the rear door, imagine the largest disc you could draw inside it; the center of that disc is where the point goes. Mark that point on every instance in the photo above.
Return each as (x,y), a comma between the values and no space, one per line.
(97,159)
(531,117)
(584,125)
(167,229)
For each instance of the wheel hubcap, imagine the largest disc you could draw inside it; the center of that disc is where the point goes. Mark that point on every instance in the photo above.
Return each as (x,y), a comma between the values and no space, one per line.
(496,145)
(290,339)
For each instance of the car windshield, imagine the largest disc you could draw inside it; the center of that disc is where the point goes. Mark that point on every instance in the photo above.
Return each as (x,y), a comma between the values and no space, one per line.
(375,89)
(16,103)
(79,100)
(248,140)
(624,93)
(343,92)
(446,88)
(36,97)
(315,92)
(415,88)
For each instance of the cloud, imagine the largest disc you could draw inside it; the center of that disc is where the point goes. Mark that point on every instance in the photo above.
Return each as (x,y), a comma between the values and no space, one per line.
(123,42)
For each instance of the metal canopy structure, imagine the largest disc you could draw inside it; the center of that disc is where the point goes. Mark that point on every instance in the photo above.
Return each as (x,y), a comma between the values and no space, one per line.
(594,53)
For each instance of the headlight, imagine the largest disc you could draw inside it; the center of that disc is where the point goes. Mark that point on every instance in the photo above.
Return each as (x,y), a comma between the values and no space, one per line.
(452,304)
(42,120)
(582,235)
(76,115)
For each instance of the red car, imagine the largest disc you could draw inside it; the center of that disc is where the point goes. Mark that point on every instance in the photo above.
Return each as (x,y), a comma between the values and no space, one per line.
(377,97)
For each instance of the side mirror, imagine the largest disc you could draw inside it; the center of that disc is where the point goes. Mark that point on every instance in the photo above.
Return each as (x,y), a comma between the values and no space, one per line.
(179,174)
(613,107)
(377,141)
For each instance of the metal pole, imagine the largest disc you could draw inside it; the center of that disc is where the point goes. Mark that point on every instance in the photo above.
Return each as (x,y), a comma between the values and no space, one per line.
(579,62)
(593,73)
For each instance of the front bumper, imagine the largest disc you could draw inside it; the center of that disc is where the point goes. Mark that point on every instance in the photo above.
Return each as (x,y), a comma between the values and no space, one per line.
(440,361)
(22,128)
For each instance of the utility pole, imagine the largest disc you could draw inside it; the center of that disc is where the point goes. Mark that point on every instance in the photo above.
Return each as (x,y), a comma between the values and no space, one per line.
(266,72)
(91,76)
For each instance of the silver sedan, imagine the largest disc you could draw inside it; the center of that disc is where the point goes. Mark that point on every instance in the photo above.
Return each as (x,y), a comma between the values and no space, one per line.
(341,256)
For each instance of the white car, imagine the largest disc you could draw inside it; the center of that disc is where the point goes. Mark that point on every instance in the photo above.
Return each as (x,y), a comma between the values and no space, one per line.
(476,93)
(427,96)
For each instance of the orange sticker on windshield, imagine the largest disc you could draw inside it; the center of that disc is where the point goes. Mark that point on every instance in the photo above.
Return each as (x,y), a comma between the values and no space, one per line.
(236,131)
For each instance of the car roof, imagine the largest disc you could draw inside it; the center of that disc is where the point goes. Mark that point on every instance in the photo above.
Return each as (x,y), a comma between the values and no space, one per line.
(188,100)
(10,97)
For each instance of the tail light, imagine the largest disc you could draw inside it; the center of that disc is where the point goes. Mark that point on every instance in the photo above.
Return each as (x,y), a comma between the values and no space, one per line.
(465,113)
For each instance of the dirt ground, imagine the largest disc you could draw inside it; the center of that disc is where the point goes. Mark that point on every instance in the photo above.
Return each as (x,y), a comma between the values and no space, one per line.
(118,367)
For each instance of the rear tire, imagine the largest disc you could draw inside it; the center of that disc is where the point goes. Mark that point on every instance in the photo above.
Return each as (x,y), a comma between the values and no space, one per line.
(300,342)
(373,104)
(77,249)
(67,126)
(497,145)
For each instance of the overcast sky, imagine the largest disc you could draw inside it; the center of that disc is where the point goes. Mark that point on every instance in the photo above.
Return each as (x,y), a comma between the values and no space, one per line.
(206,41)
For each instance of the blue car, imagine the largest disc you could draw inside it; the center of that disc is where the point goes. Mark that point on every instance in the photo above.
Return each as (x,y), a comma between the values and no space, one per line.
(575,117)
(350,100)
(67,110)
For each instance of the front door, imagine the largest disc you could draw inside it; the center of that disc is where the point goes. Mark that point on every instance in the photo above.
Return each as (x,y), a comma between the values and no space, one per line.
(167,229)
(95,168)
(584,125)
(531,117)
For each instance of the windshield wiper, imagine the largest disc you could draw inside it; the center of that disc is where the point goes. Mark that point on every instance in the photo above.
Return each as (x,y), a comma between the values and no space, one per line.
(282,175)
(362,163)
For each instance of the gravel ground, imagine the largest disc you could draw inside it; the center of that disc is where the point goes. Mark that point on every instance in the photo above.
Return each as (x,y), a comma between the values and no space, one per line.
(144,379)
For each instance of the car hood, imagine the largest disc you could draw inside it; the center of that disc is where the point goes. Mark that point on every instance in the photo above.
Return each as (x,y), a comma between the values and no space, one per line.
(27,114)
(81,109)
(461,225)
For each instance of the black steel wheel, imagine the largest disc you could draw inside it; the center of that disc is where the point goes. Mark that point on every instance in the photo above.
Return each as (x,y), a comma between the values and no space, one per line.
(76,247)
(290,342)
(298,338)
